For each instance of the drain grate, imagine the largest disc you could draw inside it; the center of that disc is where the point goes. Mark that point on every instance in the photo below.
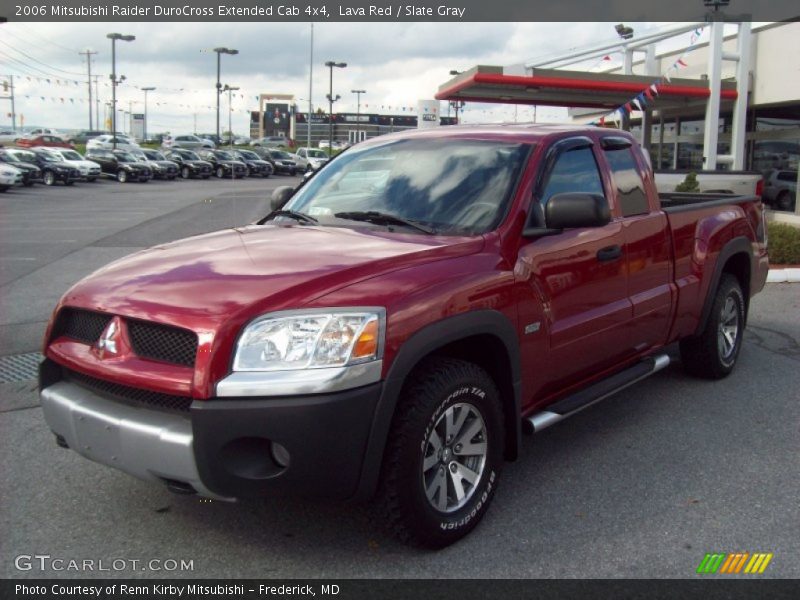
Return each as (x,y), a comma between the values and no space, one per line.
(20,367)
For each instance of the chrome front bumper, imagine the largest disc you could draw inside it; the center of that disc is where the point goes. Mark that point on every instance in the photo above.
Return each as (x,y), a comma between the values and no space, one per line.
(148,444)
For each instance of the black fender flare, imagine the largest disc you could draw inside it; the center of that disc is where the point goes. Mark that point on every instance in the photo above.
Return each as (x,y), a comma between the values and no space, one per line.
(738,245)
(421,344)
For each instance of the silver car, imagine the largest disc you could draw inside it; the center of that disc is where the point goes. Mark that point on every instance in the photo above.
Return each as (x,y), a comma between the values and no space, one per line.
(780,189)
(274,141)
(189,142)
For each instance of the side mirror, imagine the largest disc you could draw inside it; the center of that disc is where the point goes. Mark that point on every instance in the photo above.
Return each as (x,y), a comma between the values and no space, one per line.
(570,210)
(280,196)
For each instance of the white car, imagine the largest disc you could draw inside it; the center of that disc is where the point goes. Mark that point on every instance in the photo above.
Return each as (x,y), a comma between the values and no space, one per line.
(188,142)
(106,142)
(89,170)
(9,136)
(274,141)
(9,177)
(337,145)
(311,158)
(43,131)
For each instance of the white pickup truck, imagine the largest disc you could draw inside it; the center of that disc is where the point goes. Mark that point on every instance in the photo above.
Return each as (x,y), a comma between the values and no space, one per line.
(740,183)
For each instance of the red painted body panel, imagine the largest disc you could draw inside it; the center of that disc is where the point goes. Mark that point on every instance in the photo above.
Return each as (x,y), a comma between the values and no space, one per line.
(587,318)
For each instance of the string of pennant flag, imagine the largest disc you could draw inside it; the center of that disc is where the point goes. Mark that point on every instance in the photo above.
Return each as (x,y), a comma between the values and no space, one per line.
(648,96)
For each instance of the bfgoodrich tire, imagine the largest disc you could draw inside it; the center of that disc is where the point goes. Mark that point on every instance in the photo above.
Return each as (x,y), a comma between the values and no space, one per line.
(714,352)
(444,453)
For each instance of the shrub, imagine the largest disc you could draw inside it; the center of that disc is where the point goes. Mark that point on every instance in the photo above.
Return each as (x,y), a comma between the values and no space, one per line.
(689,184)
(784,244)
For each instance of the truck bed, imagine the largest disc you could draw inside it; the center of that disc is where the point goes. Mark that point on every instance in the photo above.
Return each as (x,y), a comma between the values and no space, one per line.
(673,202)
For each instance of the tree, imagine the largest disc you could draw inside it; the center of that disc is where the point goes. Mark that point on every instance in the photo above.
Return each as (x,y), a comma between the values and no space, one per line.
(689,184)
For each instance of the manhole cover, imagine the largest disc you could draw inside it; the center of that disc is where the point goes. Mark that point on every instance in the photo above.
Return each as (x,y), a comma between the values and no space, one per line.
(20,367)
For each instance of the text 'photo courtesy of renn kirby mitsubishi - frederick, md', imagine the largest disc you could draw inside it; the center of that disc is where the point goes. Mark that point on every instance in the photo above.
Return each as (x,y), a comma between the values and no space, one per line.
(400,300)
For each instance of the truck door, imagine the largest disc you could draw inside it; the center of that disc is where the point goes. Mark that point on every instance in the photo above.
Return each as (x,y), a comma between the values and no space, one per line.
(648,248)
(578,276)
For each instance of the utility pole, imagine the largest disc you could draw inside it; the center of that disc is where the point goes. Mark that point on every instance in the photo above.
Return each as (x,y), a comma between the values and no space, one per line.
(97,105)
(88,53)
(310,80)
(358,113)
(9,87)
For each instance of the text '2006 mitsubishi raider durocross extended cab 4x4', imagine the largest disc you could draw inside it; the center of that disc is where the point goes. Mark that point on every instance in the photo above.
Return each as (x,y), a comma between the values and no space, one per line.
(397,322)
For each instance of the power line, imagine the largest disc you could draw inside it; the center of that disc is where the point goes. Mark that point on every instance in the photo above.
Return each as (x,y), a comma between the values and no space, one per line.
(41,37)
(34,59)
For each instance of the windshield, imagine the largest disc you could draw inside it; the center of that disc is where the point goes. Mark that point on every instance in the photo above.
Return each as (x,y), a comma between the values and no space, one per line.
(279,154)
(71,155)
(49,158)
(153,155)
(224,155)
(450,185)
(249,155)
(188,155)
(22,155)
(125,157)
(316,154)
(9,157)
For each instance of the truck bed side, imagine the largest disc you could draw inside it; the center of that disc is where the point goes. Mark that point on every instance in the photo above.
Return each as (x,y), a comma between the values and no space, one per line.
(712,233)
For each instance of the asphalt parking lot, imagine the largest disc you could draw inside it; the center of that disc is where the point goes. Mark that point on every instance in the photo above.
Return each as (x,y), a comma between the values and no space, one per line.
(641,485)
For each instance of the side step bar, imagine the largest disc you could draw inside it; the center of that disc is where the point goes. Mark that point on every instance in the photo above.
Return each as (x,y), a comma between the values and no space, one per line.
(566,407)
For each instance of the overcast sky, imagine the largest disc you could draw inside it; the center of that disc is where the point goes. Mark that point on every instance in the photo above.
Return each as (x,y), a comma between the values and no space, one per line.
(397,63)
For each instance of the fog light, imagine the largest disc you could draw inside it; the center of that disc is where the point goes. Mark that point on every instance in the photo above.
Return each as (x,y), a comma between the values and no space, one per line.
(280,455)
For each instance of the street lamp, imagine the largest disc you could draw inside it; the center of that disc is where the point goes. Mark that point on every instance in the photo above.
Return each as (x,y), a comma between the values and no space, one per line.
(358,113)
(624,31)
(123,38)
(457,105)
(331,64)
(230,89)
(220,52)
(145,90)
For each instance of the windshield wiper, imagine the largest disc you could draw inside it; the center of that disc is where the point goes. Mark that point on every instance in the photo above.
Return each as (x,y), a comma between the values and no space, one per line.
(297,216)
(381,218)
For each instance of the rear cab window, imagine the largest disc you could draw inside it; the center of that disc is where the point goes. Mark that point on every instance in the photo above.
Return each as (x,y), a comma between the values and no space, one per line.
(631,196)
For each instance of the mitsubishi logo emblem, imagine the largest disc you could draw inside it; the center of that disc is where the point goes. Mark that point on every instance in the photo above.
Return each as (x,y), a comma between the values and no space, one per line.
(108,344)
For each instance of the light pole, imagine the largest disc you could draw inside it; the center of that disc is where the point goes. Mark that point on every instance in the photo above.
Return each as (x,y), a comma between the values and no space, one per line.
(358,112)
(145,90)
(230,89)
(123,38)
(220,52)
(331,64)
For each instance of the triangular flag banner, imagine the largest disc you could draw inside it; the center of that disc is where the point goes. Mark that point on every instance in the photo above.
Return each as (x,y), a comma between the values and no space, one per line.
(654,89)
(635,101)
(681,63)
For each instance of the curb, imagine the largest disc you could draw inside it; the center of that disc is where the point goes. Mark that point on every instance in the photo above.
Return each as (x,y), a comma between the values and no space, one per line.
(791,275)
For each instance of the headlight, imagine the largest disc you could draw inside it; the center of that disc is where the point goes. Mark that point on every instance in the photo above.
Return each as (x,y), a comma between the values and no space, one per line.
(310,339)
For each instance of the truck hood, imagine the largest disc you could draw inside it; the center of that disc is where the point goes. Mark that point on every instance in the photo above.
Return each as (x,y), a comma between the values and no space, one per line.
(236,274)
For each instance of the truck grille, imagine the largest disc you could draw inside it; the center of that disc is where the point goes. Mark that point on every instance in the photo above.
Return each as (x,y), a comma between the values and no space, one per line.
(129,394)
(162,342)
(148,340)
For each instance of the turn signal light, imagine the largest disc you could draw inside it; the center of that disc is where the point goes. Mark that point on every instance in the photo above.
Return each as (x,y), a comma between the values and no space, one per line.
(366,345)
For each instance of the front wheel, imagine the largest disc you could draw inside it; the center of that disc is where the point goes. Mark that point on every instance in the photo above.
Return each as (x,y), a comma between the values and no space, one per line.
(444,453)
(220,172)
(713,353)
(122,176)
(49,178)
(185,173)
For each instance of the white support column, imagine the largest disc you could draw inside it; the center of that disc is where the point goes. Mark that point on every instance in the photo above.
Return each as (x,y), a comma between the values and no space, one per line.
(739,131)
(715,86)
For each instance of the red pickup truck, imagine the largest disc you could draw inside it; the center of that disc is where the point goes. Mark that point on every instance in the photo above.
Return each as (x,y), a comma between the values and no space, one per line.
(399,320)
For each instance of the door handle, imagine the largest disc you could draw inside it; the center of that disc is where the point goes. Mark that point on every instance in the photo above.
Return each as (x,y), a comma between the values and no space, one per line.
(609,253)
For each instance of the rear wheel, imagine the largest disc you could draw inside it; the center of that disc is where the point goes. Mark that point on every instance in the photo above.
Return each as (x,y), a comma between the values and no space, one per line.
(444,453)
(49,178)
(220,172)
(185,173)
(784,201)
(122,176)
(713,353)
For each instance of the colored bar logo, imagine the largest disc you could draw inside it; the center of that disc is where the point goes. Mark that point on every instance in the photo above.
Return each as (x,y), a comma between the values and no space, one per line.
(735,563)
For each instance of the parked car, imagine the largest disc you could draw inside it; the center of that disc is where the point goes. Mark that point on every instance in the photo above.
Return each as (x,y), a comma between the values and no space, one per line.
(30,172)
(89,170)
(311,158)
(53,168)
(255,164)
(9,177)
(282,161)
(337,145)
(190,164)
(107,142)
(44,140)
(722,182)
(400,339)
(225,163)
(271,142)
(211,137)
(9,136)
(162,168)
(82,137)
(780,189)
(189,142)
(121,164)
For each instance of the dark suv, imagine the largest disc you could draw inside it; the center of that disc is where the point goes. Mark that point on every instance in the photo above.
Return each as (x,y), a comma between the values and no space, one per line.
(189,163)
(120,164)
(226,164)
(53,169)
